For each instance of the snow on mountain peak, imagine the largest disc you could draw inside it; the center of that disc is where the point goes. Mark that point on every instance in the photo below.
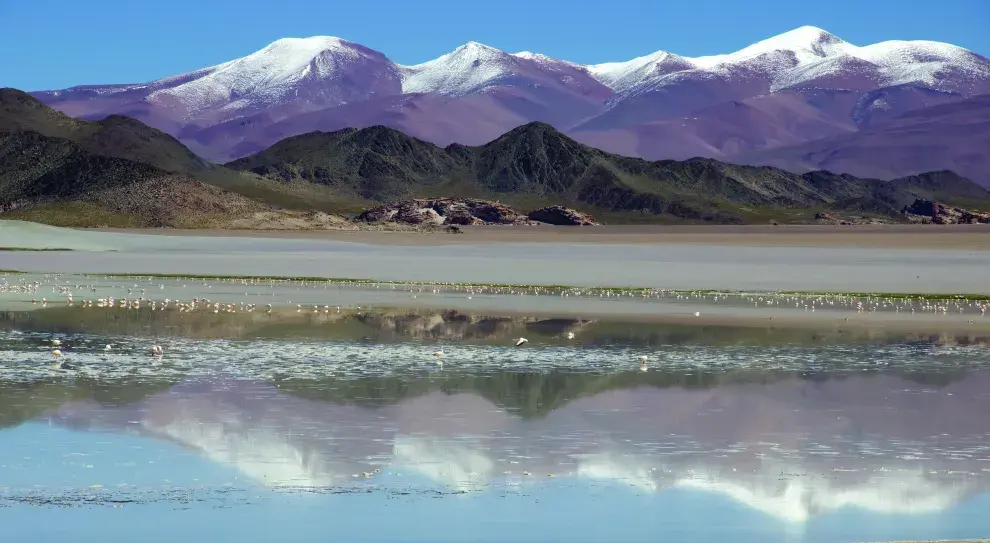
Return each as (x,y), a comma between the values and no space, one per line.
(461,71)
(802,55)
(306,74)
(268,74)
(621,76)
(806,44)
(544,59)
(476,46)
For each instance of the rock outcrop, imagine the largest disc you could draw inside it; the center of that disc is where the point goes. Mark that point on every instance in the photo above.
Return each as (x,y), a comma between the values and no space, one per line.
(828,218)
(469,211)
(437,211)
(562,216)
(939,213)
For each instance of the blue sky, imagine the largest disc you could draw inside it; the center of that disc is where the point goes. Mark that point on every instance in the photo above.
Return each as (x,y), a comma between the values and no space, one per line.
(55,44)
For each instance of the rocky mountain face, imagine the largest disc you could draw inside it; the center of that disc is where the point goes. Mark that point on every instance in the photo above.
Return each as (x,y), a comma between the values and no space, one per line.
(805,87)
(537,162)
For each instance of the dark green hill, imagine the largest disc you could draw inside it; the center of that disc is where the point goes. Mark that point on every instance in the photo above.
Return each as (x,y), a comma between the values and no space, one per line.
(115,136)
(536,163)
(54,180)
(120,172)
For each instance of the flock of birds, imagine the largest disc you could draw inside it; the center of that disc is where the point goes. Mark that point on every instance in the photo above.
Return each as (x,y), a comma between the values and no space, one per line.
(59,361)
(137,298)
(520,341)
(157,352)
(810,302)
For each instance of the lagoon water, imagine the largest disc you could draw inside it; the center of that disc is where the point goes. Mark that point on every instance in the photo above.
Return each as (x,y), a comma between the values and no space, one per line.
(674,266)
(346,428)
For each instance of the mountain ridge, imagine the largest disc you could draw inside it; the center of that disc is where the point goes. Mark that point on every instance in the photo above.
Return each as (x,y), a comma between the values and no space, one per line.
(121,167)
(537,161)
(804,85)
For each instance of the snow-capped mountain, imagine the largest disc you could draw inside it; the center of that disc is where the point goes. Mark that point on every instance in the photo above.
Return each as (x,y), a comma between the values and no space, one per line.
(290,76)
(474,67)
(311,73)
(809,56)
(662,85)
(789,89)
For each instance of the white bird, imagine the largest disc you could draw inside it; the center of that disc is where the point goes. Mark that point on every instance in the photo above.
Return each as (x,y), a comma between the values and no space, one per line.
(107,349)
(56,354)
(520,341)
(60,364)
(570,335)
(697,313)
(438,354)
(156,350)
(56,342)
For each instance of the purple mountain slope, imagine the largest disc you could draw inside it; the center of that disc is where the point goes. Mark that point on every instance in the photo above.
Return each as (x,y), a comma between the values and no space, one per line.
(431,117)
(954,136)
(803,87)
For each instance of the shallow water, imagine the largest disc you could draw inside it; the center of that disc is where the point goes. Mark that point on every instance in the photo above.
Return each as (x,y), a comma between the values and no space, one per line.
(345,427)
(676,266)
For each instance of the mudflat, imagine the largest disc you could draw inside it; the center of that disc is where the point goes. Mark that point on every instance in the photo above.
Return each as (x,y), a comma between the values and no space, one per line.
(964,237)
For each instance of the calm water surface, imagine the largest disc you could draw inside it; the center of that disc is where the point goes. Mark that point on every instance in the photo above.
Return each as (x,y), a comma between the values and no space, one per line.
(349,430)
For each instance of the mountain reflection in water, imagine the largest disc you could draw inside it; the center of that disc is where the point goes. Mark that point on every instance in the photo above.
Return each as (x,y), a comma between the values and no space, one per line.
(790,449)
(794,429)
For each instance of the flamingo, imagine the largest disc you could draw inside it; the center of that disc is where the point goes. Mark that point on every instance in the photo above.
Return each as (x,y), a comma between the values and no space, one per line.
(57,361)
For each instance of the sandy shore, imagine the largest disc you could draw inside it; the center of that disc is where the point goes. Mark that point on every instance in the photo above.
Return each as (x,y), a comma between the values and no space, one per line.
(966,237)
